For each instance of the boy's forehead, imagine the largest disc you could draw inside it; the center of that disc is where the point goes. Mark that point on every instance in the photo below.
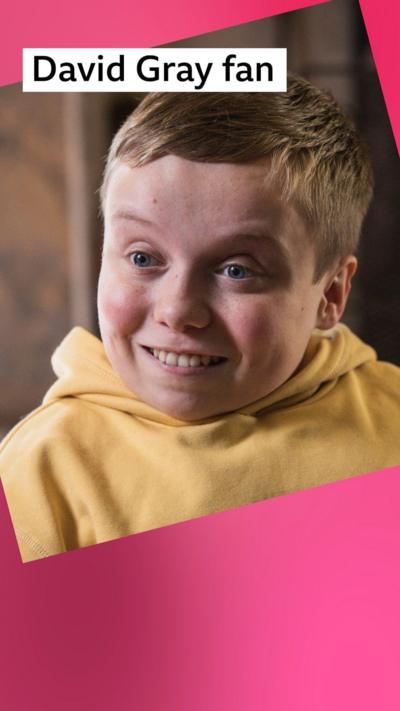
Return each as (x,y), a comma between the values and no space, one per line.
(170,185)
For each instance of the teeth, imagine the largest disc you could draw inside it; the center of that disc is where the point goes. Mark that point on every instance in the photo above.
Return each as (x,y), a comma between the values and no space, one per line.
(171,359)
(195,361)
(183,360)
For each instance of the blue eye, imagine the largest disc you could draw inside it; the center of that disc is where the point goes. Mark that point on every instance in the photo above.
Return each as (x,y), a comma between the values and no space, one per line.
(236,271)
(141,259)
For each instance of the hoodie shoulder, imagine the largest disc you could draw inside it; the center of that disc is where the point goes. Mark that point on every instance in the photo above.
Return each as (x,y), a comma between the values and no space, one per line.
(78,361)
(39,427)
(383,381)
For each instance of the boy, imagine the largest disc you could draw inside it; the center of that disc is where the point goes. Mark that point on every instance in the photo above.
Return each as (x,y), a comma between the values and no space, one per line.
(231,222)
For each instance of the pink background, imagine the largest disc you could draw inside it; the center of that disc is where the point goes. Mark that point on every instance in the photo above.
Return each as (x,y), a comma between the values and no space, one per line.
(382,22)
(124,23)
(290,604)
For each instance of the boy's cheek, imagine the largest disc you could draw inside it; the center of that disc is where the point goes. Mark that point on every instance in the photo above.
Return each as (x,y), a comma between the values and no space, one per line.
(254,323)
(275,330)
(120,309)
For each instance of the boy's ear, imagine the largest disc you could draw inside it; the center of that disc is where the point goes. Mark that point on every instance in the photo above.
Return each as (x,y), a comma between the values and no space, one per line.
(336,291)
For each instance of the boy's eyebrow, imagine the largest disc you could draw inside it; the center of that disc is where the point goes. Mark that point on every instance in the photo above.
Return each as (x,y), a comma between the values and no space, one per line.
(127,214)
(261,237)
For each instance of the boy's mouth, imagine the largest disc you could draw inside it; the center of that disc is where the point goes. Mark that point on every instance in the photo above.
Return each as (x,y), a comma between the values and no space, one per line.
(184,360)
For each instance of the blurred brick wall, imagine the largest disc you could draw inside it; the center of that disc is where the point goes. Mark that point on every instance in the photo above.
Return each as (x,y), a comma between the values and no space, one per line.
(33,249)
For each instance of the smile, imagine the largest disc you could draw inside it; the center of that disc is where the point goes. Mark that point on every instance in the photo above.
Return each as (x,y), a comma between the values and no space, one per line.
(185,360)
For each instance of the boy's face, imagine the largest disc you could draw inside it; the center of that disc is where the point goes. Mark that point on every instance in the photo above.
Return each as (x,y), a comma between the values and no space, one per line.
(206,294)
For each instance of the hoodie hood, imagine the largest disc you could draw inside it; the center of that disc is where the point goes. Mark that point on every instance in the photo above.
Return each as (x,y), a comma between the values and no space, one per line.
(85,372)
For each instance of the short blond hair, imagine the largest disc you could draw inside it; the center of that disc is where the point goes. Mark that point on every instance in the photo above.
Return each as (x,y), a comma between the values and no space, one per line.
(315,154)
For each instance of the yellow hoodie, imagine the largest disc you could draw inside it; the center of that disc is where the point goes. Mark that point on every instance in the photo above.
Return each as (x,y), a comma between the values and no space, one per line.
(94,463)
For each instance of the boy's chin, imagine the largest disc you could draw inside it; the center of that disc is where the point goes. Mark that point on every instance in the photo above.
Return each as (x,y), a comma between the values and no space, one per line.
(188,412)
(188,409)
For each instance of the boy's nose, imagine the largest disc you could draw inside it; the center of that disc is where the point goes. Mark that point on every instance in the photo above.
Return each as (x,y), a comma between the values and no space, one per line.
(181,304)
